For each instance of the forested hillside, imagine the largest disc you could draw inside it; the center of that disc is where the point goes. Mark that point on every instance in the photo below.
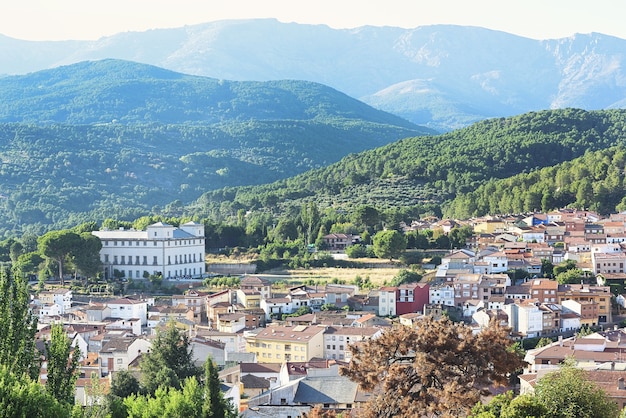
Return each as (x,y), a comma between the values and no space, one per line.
(428,172)
(594,181)
(97,92)
(121,140)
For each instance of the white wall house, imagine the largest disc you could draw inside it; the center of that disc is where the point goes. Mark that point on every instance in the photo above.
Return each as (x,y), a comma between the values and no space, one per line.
(441,295)
(160,249)
(387,301)
(125,308)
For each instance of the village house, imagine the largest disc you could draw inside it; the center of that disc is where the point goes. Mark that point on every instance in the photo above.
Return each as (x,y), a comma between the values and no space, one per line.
(339,242)
(276,344)
(338,339)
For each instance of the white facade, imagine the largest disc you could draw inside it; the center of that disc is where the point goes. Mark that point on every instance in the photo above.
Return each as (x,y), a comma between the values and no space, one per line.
(125,308)
(338,339)
(160,249)
(525,318)
(441,295)
(497,263)
(387,302)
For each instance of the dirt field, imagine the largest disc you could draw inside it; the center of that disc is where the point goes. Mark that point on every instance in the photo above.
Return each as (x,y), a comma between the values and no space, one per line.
(378,272)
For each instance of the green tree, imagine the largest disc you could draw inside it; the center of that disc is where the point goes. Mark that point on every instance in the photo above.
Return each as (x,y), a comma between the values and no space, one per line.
(169,362)
(547,267)
(18,326)
(506,406)
(563,267)
(405,276)
(389,244)
(124,384)
(310,216)
(215,405)
(366,215)
(59,245)
(86,256)
(185,402)
(24,398)
(570,276)
(62,361)
(567,393)
(29,263)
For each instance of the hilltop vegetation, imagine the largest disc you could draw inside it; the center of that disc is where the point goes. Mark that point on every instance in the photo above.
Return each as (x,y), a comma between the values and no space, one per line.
(424,174)
(96,92)
(594,181)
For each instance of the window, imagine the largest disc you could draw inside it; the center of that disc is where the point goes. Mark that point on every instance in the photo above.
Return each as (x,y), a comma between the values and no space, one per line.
(119,361)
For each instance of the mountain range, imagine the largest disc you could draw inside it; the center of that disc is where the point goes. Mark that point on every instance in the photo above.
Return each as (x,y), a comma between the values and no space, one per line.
(441,76)
(119,139)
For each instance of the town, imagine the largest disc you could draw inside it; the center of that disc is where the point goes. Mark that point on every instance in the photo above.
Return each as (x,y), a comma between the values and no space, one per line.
(280,349)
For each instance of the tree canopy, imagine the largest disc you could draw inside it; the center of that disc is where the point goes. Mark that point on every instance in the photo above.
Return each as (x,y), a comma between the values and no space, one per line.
(169,362)
(18,326)
(389,244)
(438,369)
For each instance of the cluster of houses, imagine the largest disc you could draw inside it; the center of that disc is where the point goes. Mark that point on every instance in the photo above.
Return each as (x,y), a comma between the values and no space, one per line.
(274,362)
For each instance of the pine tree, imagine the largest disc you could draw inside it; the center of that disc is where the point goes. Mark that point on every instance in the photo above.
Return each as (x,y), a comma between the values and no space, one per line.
(169,362)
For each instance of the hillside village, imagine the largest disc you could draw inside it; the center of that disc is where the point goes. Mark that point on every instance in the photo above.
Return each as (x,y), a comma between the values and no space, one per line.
(280,349)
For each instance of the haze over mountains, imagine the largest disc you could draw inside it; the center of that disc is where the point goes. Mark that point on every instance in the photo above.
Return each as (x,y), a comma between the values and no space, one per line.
(440,76)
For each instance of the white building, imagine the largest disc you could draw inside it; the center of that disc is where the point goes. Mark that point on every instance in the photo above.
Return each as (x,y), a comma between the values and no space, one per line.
(338,339)
(387,301)
(525,318)
(125,308)
(160,249)
(441,295)
(60,296)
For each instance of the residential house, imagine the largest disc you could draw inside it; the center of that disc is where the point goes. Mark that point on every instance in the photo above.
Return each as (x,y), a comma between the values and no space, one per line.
(126,308)
(387,298)
(257,284)
(97,312)
(496,262)
(276,344)
(590,296)
(338,339)
(525,318)
(442,294)
(205,348)
(231,322)
(119,350)
(411,297)
(330,393)
(276,307)
(194,300)
(59,296)
(543,290)
(339,242)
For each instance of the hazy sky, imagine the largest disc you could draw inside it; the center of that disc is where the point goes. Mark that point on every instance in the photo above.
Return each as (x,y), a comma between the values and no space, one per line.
(92,19)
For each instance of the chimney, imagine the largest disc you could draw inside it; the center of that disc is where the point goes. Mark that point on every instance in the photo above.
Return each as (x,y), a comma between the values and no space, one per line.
(560,341)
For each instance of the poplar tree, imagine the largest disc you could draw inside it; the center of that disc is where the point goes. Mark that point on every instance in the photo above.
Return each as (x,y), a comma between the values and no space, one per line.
(17,326)
(63,368)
